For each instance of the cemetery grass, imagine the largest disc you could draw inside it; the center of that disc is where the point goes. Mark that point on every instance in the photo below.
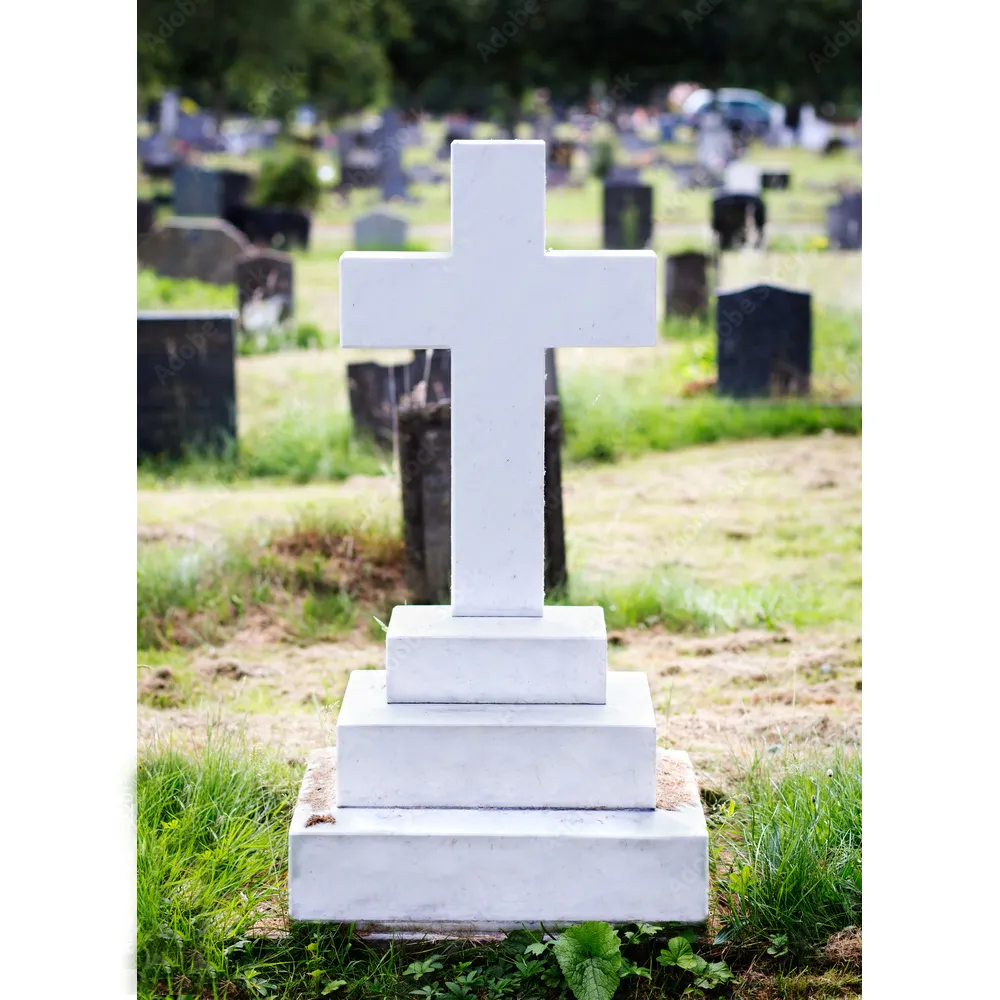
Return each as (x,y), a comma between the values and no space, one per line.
(212,873)
(730,574)
(294,422)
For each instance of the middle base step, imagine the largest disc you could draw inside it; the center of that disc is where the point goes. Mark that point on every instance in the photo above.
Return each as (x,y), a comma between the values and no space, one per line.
(496,756)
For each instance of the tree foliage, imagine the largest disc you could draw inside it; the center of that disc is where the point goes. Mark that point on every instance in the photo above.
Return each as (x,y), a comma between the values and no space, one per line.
(482,55)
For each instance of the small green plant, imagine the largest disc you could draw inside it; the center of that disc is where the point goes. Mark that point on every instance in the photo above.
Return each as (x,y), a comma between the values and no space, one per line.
(706,975)
(590,958)
(289,180)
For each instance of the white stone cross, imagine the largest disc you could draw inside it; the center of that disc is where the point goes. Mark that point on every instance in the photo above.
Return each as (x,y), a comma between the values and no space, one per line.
(497,301)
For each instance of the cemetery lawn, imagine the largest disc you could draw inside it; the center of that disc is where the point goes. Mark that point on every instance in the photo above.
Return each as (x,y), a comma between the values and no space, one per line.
(730,573)
(212,828)
(295,426)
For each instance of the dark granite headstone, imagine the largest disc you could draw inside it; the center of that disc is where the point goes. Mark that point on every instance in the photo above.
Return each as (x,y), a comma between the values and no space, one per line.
(206,249)
(359,160)
(843,223)
(186,386)
(764,341)
(265,276)
(774,179)
(377,392)
(686,282)
(425,465)
(732,215)
(628,216)
(147,216)
(271,227)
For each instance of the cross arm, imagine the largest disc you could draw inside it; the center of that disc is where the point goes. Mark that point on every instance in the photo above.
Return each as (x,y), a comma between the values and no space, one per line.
(595,298)
(390,300)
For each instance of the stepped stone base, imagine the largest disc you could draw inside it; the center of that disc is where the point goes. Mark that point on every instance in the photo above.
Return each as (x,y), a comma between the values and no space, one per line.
(496,756)
(477,870)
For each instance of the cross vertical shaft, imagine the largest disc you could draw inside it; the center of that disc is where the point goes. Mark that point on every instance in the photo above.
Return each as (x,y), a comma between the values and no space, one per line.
(497,469)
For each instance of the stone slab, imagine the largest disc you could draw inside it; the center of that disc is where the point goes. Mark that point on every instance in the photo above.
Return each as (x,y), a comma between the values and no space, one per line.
(558,659)
(496,756)
(461,871)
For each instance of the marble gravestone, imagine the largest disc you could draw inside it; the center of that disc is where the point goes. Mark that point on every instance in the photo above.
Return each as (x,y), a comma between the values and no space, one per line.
(379,231)
(496,773)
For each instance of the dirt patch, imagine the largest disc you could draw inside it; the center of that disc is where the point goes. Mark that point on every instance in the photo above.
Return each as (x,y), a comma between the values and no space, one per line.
(844,947)
(159,682)
(675,786)
(371,570)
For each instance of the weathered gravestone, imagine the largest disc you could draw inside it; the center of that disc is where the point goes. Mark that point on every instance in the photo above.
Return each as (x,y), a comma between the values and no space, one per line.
(271,227)
(379,231)
(206,249)
(359,160)
(378,392)
(197,192)
(265,286)
(388,142)
(208,193)
(496,773)
(186,387)
(843,223)
(146,216)
(734,216)
(628,216)
(764,341)
(425,468)
(686,283)
(775,179)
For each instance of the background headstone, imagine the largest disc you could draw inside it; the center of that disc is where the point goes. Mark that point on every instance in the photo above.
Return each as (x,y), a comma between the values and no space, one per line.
(732,218)
(843,223)
(170,111)
(186,387)
(388,141)
(206,249)
(382,230)
(197,192)
(425,465)
(686,283)
(628,216)
(146,216)
(775,179)
(377,392)
(764,341)
(271,227)
(265,286)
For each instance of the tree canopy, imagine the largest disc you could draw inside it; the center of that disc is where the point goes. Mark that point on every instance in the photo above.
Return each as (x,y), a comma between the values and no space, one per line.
(483,55)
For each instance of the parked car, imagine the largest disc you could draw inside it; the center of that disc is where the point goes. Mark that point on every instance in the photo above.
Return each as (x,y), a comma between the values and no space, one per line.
(745,111)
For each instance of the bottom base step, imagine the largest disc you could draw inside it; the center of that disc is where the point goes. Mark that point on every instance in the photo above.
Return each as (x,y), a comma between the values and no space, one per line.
(458,871)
